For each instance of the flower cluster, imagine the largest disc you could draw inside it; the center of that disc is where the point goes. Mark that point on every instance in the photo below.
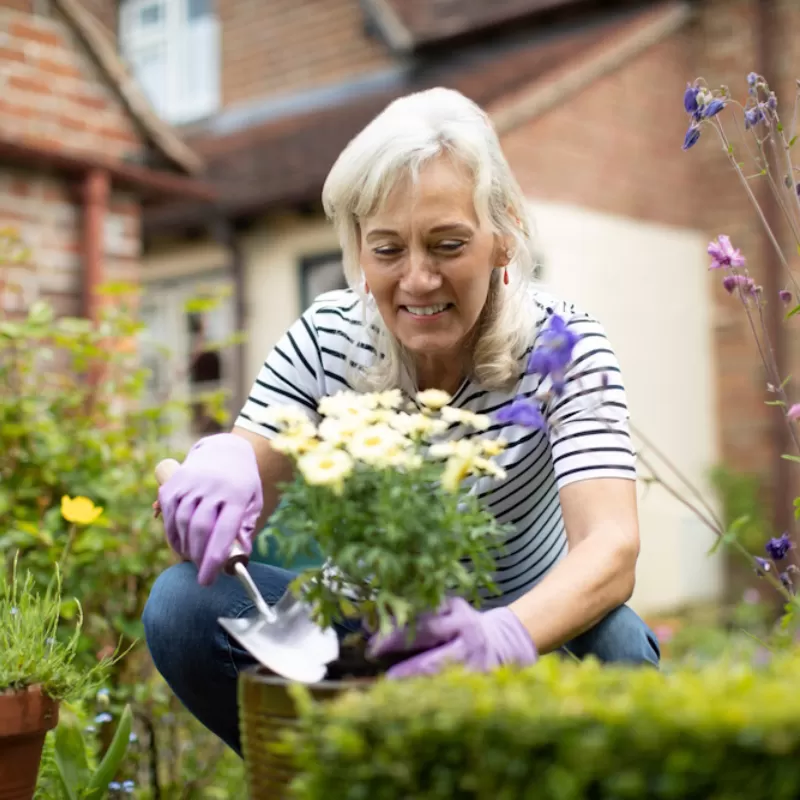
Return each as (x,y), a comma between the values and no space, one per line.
(549,359)
(777,550)
(382,431)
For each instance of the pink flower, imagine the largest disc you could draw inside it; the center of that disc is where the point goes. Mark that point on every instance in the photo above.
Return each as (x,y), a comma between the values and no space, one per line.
(794,412)
(723,254)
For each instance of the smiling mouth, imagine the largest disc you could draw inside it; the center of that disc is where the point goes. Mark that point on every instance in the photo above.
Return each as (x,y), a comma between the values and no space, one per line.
(427,311)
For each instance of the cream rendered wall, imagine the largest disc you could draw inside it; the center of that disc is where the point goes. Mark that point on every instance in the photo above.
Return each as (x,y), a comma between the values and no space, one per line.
(649,287)
(272,253)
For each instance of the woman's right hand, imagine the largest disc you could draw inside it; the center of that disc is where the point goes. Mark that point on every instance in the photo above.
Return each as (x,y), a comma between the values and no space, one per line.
(211,501)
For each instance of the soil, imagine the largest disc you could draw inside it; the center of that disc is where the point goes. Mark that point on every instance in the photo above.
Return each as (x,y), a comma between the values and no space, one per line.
(354,663)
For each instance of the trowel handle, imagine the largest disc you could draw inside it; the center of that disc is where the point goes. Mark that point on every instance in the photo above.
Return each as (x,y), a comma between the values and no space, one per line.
(164,471)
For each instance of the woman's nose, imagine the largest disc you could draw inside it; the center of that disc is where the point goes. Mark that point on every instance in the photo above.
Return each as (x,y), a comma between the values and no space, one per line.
(421,275)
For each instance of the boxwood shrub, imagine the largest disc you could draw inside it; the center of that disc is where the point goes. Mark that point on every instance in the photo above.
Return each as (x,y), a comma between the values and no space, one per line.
(559,731)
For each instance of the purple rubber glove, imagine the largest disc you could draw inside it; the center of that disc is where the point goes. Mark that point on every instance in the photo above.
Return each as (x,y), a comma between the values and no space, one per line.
(459,634)
(213,499)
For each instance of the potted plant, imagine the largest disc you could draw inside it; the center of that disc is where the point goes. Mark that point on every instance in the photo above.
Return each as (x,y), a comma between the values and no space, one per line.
(383,495)
(38,671)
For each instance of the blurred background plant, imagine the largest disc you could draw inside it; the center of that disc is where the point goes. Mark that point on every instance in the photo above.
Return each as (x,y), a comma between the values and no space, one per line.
(77,421)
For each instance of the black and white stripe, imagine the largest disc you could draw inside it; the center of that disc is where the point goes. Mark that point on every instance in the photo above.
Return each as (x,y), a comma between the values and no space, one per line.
(588,436)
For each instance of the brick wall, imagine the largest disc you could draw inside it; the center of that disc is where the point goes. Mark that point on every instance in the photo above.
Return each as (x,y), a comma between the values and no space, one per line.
(52,93)
(284,46)
(46,212)
(616,147)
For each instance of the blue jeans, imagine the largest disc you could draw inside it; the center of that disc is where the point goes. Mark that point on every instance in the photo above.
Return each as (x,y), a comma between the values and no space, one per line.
(201,662)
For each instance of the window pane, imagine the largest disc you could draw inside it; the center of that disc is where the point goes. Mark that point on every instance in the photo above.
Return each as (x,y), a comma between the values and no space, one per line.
(150,68)
(151,14)
(200,8)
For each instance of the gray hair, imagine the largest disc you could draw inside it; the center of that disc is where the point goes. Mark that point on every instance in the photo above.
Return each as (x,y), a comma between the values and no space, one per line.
(409,132)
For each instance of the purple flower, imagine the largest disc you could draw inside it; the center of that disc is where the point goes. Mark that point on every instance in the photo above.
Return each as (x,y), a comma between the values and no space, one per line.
(690,98)
(692,135)
(730,282)
(772,102)
(713,108)
(777,548)
(785,296)
(786,580)
(723,254)
(794,412)
(522,412)
(753,116)
(762,566)
(752,79)
(553,352)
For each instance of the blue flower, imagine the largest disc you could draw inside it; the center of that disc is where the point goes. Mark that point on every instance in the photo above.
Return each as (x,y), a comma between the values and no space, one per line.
(14,611)
(114,786)
(692,135)
(752,79)
(779,547)
(713,108)
(128,786)
(133,738)
(753,116)
(553,352)
(690,98)
(104,717)
(762,566)
(522,412)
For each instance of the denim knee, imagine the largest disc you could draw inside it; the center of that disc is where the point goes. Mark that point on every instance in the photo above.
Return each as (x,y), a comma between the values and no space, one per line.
(621,637)
(180,624)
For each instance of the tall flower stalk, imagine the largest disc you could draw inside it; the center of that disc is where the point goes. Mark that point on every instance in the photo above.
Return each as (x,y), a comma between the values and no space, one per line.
(768,156)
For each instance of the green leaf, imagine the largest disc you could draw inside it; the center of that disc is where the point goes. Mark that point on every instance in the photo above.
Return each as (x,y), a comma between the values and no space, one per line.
(731,534)
(792,141)
(796,459)
(797,508)
(71,760)
(113,758)
(796,309)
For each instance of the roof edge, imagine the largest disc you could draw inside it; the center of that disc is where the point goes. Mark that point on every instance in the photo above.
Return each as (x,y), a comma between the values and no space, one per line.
(95,38)
(601,60)
(394,31)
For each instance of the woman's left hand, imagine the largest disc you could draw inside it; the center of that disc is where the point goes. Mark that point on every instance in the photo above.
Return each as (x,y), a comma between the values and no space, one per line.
(459,634)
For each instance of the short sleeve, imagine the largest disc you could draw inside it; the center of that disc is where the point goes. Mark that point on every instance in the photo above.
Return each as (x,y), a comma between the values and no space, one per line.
(589,423)
(292,375)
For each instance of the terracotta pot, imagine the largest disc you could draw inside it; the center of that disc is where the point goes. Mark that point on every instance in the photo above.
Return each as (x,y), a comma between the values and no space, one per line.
(266,710)
(25,718)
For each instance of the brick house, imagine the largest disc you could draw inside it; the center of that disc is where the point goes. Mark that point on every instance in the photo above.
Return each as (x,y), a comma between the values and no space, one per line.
(80,151)
(586,95)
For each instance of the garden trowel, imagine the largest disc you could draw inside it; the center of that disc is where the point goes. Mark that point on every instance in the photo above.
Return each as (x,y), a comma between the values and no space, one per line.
(282,637)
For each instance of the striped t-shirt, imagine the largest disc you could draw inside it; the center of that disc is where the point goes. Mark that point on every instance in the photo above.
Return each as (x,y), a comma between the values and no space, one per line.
(587,435)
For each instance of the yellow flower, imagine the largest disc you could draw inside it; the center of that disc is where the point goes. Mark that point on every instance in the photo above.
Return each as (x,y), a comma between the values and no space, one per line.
(285,417)
(488,467)
(433,399)
(391,398)
(295,442)
(80,510)
(336,431)
(417,425)
(326,467)
(374,444)
(344,404)
(493,447)
(480,422)
(460,448)
(455,471)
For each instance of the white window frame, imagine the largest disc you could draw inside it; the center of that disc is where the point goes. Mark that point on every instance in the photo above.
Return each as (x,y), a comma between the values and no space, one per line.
(191,52)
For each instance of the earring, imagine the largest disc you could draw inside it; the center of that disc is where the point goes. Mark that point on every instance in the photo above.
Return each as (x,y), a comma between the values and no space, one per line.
(366,287)
(505,276)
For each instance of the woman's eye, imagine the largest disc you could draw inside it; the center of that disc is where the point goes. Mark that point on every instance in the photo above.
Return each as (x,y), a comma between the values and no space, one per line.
(451,246)
(388,250)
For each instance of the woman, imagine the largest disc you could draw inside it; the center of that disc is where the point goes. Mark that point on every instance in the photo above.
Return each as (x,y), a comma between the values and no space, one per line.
(438,254)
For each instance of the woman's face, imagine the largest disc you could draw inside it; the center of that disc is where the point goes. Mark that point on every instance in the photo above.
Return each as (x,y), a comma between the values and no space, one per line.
(427,260)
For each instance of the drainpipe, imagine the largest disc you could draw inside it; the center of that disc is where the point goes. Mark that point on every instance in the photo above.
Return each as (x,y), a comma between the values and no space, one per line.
(96,190)
(769,66)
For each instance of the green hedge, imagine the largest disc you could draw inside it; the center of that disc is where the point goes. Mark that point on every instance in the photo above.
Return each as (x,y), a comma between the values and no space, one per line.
(559,731)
